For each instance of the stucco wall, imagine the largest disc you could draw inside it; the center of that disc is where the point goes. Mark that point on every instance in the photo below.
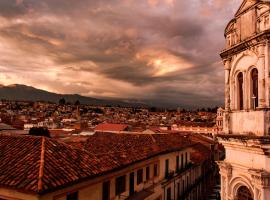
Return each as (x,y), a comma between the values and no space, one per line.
(254,122)
(252,160)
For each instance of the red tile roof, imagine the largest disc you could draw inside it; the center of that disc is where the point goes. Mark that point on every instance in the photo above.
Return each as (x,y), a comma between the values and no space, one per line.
(202,139)
(131,148)
(194,124)
(200,153)
(111,127)
(40,165)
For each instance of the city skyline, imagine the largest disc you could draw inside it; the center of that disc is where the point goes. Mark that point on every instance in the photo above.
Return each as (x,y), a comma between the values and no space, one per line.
(160,50)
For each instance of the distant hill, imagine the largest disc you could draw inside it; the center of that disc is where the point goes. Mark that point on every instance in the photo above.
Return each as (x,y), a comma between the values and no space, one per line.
(28,93)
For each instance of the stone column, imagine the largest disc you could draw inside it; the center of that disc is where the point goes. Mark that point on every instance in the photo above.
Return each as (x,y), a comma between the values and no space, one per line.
(261,70)
(261,184)
(267,73)
(227,67)
(245,90)
(223,188)
(226,116)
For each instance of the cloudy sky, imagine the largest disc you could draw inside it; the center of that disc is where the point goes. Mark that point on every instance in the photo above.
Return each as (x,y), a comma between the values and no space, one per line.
(163,51)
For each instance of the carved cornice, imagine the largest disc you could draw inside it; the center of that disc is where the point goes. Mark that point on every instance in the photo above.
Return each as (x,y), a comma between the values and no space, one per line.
(225,168)
(260,177)
(248,143)
(257,139)
(246,44)
(227,63)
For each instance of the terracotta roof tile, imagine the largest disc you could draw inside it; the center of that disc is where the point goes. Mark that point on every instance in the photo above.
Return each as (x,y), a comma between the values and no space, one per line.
(200,153)
(130,148)
(40,165)
(111,127)
(21,164)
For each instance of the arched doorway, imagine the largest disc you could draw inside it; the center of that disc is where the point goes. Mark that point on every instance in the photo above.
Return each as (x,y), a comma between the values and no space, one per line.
(243,193)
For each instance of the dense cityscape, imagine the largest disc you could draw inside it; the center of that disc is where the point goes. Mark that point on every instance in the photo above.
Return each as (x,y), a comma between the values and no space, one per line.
(127,138)
(78,118)
(123,100)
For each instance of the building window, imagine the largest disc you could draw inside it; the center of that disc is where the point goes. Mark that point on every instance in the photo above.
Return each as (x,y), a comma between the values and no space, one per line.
(183,186)
(240,91)
(139,176)
(169,194)
(106,190)
(178,191)
(229,40)
(182,161)
(72,196)
(120,185)
(147,173)
(155,170)
(186,158)
(254,89)
(177,163)
(167,168)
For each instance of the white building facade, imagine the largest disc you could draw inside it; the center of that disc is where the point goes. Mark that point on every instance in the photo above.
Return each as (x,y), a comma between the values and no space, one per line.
(245,172)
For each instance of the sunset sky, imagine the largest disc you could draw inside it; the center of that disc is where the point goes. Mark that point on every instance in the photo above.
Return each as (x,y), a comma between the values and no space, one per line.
(163,51)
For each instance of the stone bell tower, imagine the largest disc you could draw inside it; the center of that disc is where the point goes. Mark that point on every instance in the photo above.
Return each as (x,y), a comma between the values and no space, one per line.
(245,172)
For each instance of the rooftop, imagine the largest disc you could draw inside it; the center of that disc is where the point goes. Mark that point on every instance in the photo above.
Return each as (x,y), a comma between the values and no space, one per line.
(40,165)
(111,127)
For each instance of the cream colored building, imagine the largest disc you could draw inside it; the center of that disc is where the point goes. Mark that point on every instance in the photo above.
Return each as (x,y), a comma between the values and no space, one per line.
(245,172)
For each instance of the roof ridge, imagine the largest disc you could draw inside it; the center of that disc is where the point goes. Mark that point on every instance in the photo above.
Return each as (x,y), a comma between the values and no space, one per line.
(41,167)
(153,139)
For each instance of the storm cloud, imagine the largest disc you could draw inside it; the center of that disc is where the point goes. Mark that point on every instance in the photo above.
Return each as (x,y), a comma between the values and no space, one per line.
(164,51)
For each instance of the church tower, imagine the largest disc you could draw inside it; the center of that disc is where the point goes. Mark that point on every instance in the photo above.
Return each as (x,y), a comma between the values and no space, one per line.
(245,172)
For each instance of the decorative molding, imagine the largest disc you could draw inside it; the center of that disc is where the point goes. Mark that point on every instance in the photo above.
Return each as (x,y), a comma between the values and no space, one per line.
(260,178)
(246,44)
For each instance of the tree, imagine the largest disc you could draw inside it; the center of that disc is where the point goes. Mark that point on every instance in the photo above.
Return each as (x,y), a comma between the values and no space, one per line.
(39,131)
(62,101)
(183,110)
(77,103)
(153,109)
(203,110)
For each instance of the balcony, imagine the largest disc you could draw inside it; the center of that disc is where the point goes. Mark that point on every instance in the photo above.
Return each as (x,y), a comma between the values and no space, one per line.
(169,175)
(185,168)
(145,193)
(173,174)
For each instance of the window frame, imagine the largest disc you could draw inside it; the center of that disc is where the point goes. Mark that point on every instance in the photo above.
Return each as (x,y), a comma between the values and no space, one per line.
(254,87)
(147,175)
(167,167)
(120,185)
(240,90)
(177,167)
(104,197)
(139,176)
(71,197)
(156,170)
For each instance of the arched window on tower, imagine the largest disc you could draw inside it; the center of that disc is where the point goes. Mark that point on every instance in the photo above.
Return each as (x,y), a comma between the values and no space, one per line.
(254,88)
(240,91)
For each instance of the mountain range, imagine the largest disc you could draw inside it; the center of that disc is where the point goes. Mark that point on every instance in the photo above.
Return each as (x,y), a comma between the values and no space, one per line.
(29,93)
